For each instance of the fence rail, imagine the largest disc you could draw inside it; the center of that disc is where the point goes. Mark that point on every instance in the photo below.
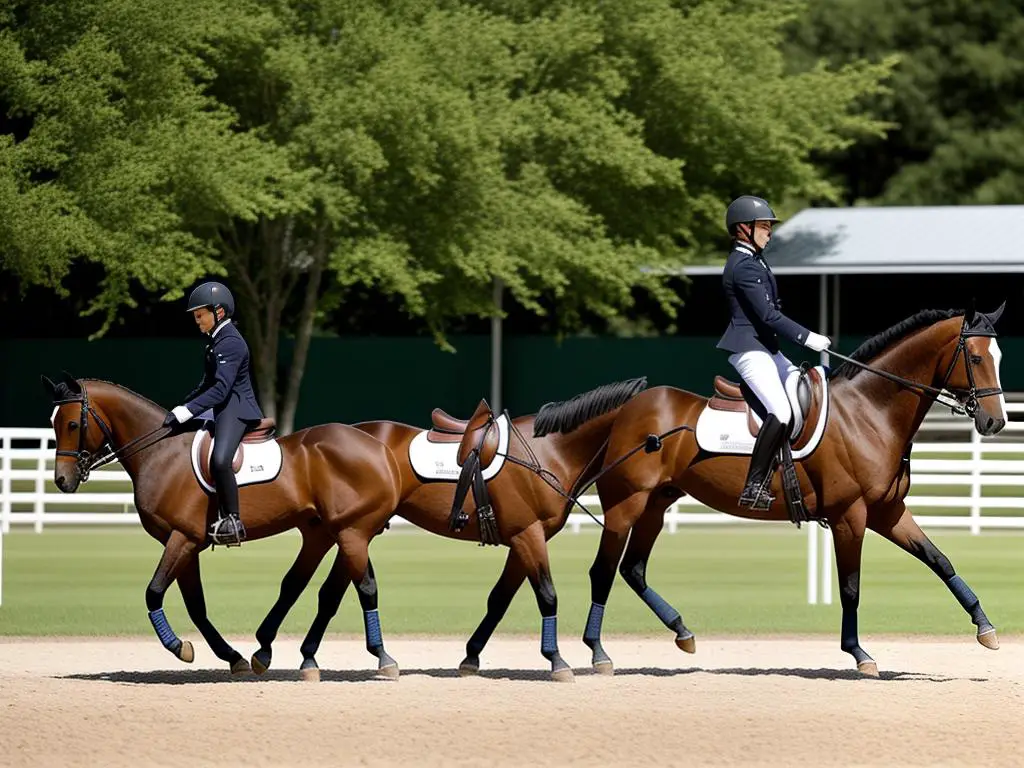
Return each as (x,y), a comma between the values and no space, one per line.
(987,472)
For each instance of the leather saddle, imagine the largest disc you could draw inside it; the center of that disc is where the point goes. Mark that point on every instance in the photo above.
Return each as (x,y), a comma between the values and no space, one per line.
(808,396)
(478,446)
(261,433)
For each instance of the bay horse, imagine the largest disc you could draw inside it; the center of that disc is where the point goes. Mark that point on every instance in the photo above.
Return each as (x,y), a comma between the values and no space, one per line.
(336,484)
(857,478)
(564,443)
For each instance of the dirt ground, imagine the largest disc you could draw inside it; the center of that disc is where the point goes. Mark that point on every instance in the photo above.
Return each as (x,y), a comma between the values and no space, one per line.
(755,702)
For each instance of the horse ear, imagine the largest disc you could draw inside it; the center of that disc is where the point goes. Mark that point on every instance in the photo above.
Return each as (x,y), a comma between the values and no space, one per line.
(72,382)
(49,386)
(993,317)
(969,315)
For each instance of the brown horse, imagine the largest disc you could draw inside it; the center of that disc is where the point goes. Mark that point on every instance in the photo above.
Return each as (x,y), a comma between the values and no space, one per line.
(335,484)
(550,457)
(857,477)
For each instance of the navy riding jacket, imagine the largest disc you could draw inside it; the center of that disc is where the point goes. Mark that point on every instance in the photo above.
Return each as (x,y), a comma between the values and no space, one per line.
(753,296)
(227,384)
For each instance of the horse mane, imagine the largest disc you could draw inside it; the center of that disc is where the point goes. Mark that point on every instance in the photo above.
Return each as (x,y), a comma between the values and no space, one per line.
(143,398)
(567,415)
(879,342)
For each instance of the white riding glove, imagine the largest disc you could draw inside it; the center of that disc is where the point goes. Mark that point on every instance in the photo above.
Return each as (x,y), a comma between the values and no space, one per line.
(817,342)
(181,413)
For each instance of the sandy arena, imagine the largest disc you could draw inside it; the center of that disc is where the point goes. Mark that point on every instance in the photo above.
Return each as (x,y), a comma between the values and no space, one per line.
(737,702)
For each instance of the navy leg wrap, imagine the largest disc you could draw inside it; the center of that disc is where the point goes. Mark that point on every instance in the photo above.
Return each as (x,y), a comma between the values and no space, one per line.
(594,621)
(657,603)
(966,597)
(168,639)
(373,636)
(549,635)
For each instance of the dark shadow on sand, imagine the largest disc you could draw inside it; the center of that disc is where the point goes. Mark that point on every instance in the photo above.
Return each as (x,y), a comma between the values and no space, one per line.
(202,676)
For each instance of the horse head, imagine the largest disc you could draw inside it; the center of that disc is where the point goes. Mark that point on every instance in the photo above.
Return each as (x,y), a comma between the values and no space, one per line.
(973,373)
(80,429)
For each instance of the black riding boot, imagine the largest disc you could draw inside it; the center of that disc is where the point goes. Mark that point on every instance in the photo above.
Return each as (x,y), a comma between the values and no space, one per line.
(757,491)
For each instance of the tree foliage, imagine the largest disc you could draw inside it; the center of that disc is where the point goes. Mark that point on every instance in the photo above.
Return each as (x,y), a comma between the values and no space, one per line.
(423,148)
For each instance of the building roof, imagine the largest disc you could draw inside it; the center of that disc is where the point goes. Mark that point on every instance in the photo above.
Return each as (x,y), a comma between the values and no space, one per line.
(893,240)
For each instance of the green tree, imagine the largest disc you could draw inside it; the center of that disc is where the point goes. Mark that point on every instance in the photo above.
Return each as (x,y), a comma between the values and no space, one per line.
(955,97)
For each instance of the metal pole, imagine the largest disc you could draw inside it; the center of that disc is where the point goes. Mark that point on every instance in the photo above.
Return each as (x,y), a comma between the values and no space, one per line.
(496,329)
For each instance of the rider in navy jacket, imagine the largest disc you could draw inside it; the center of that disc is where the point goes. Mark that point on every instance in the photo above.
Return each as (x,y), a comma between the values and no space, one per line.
(753,335)
(227,390)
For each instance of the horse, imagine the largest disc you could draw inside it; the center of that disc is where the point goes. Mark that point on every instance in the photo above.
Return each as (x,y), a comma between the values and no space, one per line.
(856,478)
(335,483)
(564,444)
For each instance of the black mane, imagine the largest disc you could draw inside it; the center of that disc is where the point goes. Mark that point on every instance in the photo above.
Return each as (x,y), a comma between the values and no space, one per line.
(878,343)
(567,415)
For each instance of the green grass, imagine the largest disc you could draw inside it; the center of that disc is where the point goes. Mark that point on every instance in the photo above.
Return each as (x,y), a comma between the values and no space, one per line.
(725,581)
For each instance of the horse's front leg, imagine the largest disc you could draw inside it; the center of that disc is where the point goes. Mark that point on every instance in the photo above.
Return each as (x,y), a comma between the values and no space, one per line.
(897,524)
(498,601)
(178,551)
(848,536)
(315,543)
(191,585)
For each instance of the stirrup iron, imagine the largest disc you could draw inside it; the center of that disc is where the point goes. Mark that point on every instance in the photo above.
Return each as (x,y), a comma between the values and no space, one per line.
(227,531)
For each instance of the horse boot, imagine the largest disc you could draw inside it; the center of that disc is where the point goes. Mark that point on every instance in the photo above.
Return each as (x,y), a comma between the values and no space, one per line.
(227,530)
(757,490)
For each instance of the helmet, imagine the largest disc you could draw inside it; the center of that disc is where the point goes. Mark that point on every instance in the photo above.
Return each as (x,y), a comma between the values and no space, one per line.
(212,295)
(746,209)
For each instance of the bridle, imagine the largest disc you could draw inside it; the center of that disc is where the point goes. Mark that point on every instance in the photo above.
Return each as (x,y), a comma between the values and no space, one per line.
(966,400)
(85,460)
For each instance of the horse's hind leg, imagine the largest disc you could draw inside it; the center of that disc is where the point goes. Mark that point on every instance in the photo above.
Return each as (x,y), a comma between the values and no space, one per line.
(329,598)
(191,586)
(497,603)
(316,541)
(356,558)
(532,549)
(898,526)
(634,569)
(848,536)
(178,550)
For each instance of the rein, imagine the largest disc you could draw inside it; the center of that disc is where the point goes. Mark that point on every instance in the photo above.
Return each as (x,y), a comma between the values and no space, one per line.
(966,401)
(650,444)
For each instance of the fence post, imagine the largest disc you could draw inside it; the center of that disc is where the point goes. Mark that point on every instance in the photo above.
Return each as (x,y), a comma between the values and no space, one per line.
(39,506)
(5,483)
(812,564)
(976,458)
(826,563)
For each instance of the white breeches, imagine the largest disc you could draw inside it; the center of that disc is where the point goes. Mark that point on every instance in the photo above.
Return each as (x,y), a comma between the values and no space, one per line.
(765,374)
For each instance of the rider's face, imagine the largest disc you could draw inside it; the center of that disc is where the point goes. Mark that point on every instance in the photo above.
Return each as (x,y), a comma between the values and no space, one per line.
(204,319)
(762,233)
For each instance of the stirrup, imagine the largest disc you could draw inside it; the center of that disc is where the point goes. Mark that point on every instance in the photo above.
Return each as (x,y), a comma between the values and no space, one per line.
(227,531)
(758,497)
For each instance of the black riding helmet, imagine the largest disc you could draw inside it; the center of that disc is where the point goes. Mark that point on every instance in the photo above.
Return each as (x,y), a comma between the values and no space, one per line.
(212,295)
(746,210)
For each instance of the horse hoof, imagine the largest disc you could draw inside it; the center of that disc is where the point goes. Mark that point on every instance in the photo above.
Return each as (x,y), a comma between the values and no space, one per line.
(240,667)
(469,669)
(867,668)
(687,644)
(604,667)
(989,639)
(390,672)
(258,665)
(564,675)
(186,652)
(311,674)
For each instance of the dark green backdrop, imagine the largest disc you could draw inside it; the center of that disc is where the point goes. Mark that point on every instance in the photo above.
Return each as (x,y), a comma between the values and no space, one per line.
(354,379)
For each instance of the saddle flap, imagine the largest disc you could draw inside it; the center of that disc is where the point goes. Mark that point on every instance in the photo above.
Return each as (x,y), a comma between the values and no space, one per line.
(481,433)
(257,461)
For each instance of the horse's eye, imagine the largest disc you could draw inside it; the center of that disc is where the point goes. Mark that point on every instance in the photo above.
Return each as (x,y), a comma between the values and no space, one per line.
(72,426)
(976,359)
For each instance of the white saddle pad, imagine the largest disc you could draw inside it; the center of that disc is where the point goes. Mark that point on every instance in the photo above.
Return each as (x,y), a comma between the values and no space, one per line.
(261,462)
(438,461)
(728,432)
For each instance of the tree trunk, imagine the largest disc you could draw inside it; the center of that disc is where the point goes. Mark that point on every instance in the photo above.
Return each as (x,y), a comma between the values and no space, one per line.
(303,334)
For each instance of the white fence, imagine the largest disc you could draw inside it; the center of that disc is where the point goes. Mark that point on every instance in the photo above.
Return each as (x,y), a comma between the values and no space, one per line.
(988,472)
